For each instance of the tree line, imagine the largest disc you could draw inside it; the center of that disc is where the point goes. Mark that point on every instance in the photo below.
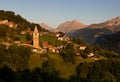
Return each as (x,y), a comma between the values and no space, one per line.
(99,71)
(15,57)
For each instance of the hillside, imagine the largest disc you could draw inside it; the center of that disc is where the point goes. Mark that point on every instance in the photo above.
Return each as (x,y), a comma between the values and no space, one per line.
(70,26)
(11,18)
(90,35)
(111,42)
(92,32)
(12,26)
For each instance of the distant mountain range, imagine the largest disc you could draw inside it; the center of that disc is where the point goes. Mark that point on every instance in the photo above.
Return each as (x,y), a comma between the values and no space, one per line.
(91,32)
(111,24)
(67,27)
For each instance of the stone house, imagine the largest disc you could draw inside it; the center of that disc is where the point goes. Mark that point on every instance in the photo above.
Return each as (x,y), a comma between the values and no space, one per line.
(4,22)
(63,38)
(17,41)
(11,24)
(23,32)
(91,54)
(82,47)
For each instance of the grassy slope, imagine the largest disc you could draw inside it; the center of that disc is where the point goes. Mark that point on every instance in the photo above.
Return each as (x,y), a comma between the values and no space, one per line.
(35,61)
(65,69)
(50,39)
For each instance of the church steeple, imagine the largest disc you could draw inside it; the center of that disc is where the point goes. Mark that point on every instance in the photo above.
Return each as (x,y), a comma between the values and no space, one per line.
(36,38)
(36,30)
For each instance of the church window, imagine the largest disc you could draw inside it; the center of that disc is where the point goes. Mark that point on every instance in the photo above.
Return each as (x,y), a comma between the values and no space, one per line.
(35,34)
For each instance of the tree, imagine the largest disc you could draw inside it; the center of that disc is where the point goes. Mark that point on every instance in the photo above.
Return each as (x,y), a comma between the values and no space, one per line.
(83,70)
(18,57)
(88,49)
(99,71)
(29,37)
(2,56)
(78,40)
(2,52)
(16,38)
(3,31)
(49,68)
(68,54)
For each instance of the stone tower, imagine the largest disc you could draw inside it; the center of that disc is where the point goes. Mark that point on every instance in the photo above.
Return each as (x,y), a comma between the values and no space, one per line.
(36,38)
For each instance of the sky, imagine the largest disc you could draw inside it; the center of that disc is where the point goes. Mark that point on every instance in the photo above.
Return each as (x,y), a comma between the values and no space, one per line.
(55,12)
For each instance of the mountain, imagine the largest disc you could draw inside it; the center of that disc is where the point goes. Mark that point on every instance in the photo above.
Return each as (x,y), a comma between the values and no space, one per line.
(90,35)
(43,25)
(114,21)
(111,24)
(92,32)
(70,26)
(111,42)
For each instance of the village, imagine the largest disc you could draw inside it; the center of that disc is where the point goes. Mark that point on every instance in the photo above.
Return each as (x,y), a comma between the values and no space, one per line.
(45,46)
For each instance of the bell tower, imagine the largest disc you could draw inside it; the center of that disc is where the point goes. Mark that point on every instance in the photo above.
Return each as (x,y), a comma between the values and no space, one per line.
(36,38)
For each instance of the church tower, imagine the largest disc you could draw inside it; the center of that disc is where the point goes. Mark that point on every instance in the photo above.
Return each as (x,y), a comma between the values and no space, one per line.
(36,38)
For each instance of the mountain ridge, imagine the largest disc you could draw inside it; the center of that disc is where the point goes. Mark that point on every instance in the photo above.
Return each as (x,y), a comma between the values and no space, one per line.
(74,25)
(49,28)
(70,26)
(109,23)
(91,32)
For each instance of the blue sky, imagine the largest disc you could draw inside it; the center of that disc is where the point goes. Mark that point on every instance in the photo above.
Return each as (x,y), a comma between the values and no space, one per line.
(55,12)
